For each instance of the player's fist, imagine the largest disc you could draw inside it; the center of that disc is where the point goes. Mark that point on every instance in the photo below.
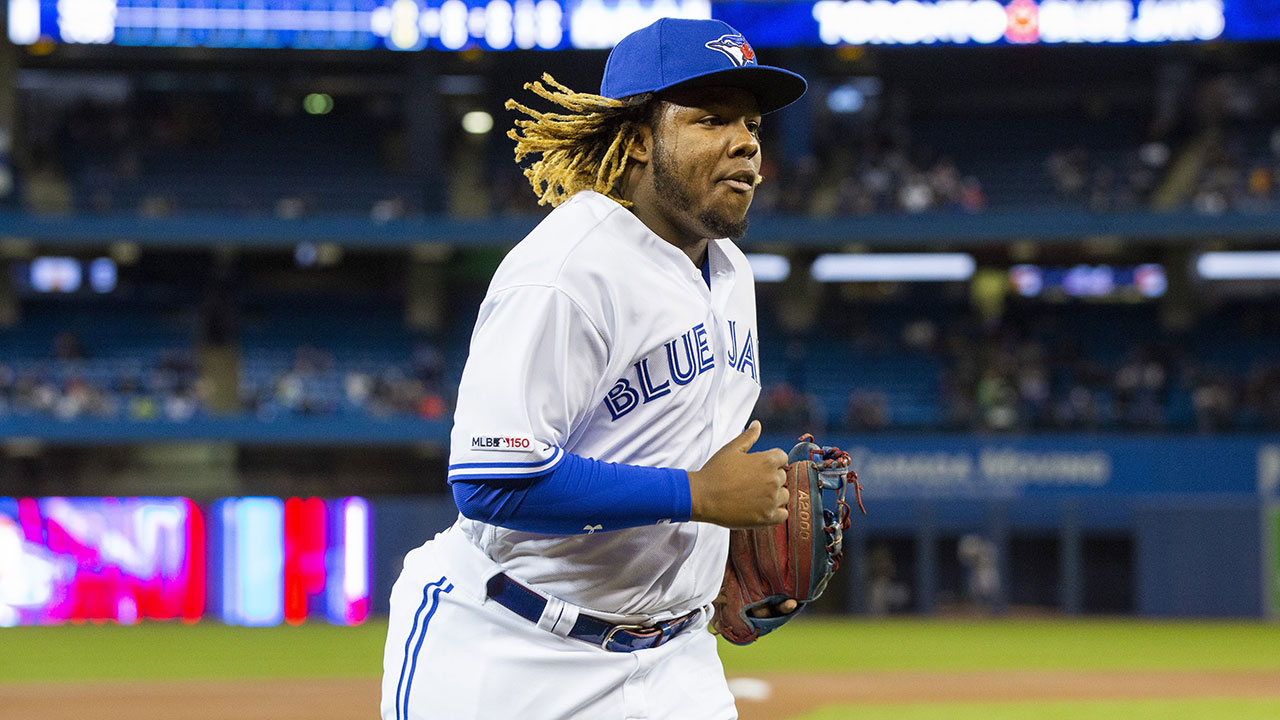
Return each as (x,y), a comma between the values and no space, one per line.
(738,488)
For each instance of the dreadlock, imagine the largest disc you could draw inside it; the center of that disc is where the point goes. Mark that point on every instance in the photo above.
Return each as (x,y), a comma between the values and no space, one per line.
(584,149)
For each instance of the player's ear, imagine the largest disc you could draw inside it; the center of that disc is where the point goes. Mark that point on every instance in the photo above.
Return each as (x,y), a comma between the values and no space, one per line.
(642,149)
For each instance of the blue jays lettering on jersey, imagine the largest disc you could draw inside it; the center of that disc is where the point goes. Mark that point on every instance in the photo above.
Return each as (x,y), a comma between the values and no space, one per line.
(682,360)
(649,367)
(743,360)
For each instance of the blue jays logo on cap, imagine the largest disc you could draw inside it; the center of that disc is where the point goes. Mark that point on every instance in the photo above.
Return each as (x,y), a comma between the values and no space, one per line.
(677,52)
(736,47)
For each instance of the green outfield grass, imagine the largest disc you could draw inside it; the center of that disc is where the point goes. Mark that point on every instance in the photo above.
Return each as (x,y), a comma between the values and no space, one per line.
(954,645)
(1184,709)
(171,651)
(208,650)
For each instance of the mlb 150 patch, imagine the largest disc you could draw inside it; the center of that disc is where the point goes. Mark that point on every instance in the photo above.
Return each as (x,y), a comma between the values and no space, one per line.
(502,443)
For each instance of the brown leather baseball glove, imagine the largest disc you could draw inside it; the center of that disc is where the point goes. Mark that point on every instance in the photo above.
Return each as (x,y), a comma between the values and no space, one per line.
(792,560)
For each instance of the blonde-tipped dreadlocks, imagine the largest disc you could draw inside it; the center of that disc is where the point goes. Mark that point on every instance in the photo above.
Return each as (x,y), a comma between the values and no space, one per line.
(584,149)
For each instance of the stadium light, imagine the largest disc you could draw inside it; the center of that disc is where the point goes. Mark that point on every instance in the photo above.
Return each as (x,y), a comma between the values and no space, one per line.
(477,122)
(1239,265)
(769,268)
(893,267)
(318,103)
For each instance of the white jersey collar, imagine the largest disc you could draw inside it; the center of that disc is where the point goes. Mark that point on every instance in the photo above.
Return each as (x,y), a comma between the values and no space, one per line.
(721,262)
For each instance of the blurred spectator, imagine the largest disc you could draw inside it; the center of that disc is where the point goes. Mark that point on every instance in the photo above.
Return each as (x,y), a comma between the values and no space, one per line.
(46,190)
(1215,403)
(66,347)
(1080,409)
(1069,170)
(157,205)
(915,195)
(388,209)
(867,411)
(431,406)
(7,179)
(357,387)
(978,555)
(997,401)
(783,406)
(428,364)
(885,592)
(1262,395)
(920,334)
(972,199)
(1033,394)
(1139,390)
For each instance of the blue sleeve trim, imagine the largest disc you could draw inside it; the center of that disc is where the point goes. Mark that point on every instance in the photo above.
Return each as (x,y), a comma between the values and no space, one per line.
(580,495)
(555,453)
(477,471)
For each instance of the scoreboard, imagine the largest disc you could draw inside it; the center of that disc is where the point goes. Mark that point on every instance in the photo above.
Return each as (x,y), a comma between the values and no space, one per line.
(245,561)
(410,25)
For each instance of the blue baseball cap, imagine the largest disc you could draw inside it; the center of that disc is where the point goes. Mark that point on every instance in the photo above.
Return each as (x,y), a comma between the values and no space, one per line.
(695,53)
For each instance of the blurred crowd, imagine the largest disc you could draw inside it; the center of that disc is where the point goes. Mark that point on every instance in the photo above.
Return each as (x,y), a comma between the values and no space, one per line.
(1237,175)
(1007,382)
(1204,136)
(317,385)
(257,154)
(165,156)
(1001,378)
(838,184)
(1101,182)
(253,154)
(70,385)
(995,376)
(1238,152)
(1210,143)
(877,182)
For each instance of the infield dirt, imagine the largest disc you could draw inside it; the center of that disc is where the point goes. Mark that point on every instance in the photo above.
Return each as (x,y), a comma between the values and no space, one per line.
(788,695)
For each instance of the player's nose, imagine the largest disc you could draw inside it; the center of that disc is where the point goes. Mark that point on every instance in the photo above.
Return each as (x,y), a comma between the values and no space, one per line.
(744,142)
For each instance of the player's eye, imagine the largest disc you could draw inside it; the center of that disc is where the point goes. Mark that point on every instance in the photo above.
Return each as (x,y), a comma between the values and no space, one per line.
(711,120)
(753,126)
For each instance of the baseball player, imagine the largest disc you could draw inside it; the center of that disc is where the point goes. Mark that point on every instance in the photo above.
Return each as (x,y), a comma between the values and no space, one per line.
(598,454)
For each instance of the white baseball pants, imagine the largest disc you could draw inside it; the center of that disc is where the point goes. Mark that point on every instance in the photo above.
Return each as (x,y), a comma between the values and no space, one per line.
(453,654)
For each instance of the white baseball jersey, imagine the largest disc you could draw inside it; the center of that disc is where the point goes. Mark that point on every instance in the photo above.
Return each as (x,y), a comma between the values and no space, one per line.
(599,338)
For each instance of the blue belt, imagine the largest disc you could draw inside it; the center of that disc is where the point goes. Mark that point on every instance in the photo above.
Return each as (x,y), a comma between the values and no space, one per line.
(615,638)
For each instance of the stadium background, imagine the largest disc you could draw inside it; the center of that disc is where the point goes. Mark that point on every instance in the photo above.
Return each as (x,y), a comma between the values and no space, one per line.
(242,246)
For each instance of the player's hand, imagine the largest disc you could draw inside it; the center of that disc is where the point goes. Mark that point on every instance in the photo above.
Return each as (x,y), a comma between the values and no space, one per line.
(786,607)
(738,488)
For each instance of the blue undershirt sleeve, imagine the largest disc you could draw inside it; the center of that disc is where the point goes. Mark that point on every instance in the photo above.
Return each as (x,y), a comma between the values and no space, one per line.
(580,495)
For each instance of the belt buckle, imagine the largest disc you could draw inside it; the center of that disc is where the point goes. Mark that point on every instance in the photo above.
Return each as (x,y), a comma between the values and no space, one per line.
(608,638)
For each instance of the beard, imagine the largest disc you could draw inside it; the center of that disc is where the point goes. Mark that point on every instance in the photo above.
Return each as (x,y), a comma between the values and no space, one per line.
(680,196)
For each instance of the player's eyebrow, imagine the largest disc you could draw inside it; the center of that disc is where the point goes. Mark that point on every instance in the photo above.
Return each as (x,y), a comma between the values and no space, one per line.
(714,100)
(693,113)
